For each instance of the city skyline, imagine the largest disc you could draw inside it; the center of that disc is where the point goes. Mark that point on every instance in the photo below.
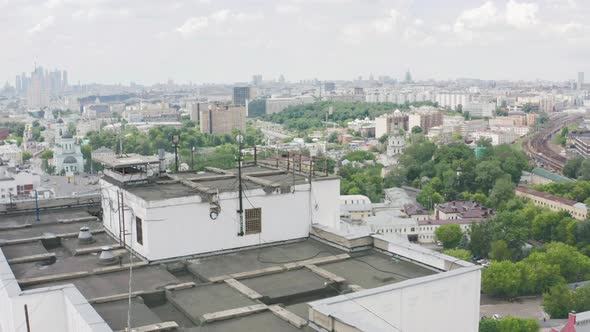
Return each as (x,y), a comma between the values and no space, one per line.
(109,42)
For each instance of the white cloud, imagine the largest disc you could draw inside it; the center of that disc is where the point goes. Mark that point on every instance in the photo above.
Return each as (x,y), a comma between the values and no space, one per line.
(225,16)
(220,16)
(193,25)
(521,15)
(480,17)
(387,24)
(287,8)
(44,24)
(243,17)
(352,34)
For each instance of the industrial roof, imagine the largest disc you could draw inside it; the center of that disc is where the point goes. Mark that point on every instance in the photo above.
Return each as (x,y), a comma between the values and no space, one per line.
(129,159)
(258,289)
(550,175)
(215,180)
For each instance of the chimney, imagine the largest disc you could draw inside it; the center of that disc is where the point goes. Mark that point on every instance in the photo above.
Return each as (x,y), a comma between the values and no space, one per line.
(84,236)
(571,318)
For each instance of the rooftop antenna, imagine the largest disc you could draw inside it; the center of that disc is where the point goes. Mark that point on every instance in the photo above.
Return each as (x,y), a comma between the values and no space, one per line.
(240,211)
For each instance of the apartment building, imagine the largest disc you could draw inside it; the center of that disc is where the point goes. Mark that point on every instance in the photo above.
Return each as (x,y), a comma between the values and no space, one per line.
(222,119)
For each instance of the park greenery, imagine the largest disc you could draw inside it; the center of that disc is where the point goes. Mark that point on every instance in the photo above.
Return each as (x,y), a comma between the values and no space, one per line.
(509,324)
(577,168)
(312,116)
(210,150)
(561,300)
(450,235)
(578,190)
(361,176)
(452,172)
(461,254)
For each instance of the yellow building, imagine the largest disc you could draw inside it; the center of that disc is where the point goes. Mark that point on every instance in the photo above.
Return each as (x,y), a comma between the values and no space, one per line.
(576,209)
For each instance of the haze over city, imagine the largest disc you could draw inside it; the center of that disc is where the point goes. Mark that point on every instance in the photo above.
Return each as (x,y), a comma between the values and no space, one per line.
(294,165)
(146,42)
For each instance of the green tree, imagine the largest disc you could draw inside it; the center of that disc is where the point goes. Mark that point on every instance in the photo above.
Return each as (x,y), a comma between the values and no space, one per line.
(428,197)
(47,154)
(502,191)
(481,239)
(572,167)
(503,279)
(500,251)
(416,130)
(27,156)
(559,301)
(462,254)
(450,235)
(514,324)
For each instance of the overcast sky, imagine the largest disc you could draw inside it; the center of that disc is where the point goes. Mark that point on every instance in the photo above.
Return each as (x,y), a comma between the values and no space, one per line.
(148,41)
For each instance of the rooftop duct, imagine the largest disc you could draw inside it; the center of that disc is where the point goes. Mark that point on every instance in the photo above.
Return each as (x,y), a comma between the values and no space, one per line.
(107,257)
(85,236)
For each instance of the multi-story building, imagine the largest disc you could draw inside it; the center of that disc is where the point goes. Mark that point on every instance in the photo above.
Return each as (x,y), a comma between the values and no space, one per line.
(222,119)
(38,90)
(495,137)
(242,95)
(425,118)
(581,142)
(391,123)
(452,100)
(479,109)
(395,147)
(275,105)
(195,109)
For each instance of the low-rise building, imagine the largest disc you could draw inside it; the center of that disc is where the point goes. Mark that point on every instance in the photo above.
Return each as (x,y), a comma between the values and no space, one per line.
(555,203)
(356,206)
(461,210)
(16,184)
(542,176)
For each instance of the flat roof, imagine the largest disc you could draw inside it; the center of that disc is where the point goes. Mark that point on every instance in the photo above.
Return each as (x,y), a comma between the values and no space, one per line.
(260,289)
(193,183)
(129,159)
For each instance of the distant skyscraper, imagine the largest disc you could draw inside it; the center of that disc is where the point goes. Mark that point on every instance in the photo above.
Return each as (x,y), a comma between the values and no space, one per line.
(580,80)
(18,84)
(38,90)
(281,79)
(408,78)
(64,81)
(256,79)
(242,94)
(329,86)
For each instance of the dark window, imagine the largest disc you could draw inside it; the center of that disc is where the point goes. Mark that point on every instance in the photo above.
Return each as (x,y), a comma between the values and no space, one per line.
(139,230)
(253,221)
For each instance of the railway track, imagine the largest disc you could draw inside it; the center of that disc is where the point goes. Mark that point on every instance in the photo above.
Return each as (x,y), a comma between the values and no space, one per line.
(537,147)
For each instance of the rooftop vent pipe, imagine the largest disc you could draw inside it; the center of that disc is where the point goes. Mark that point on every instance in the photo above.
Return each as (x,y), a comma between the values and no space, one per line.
(162,159)
(107,257)
(84,236)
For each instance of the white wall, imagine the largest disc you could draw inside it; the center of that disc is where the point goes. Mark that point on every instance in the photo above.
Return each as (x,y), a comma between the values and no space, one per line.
(51,309)
(443,302)
(182,226)
(325,202)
